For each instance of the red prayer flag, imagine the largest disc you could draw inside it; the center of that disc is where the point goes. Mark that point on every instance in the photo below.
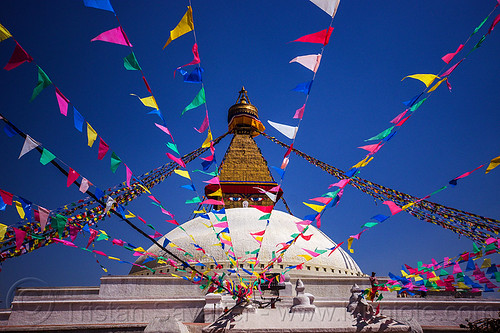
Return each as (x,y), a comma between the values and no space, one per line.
(72,176)
(320,37)
(19,56)
(6,197)
(103,149)
(20,235)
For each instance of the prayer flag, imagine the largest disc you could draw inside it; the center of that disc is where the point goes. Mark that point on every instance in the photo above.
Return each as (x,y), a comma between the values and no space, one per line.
(393,207)
(197,101)
(372,148)
(3,227)
(149,101)
(212,202)
(84,185)
(19,208)
(320,37)
(182,173)
(20,235)
(115,36)
(264,209)
(493,164)
(286,130)
(437,85)
(184,26)
(78,120)
(43,82)
(176,159)
(217,193)
(43,214)
(62,102)
(91,135)
(72,176)
(19,56)
(427,79)
(129,175)
(204,125)
(399,117)
(416,106)
(452,68)
(214,180)
(304,87)
(4,33)
(46,157)
(328,6)
(208,140)
(310,61)
(99,4)
(317,208)
(103,149)
(299,113)
(381,135)
(495,22)
(164,129)
(448,57)
(130,63)
(196,56)
(115,162)
(29,145)
(454,180)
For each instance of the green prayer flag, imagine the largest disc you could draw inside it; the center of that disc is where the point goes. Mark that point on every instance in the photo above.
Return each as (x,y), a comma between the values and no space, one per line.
(130,63)
(442,272)
(294,235)
(223,219)
(478,44)
(331,194)
(252,252)
(102,237)
(43,82)
(115,162)
(59,223)
(173,146)
(197,101)
(417,105)
(476,249)
(46,157)
(497,276)
(213,173)
(380,297)
(320,251)
(151,226)
(479,26)
(265,217)
(381,135)
(194,200)
(370,224)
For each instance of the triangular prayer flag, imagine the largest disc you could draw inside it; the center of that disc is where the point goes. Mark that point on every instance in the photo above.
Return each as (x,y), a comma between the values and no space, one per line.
(196,57)
(372,148)
(130,63)
(184,26)
(43,82)
(182,173)
(448,57)
(217,193)
(208,140)
(128,174)
(115,36)
(416,106)
(212,202)
(46,157)
(115,162)
(452,68)
(437,85)
(300,112)
(310,61)
(393,207)
(495,22)
(4,33)
(78,120)
(320,37)
(62,102)
(103,149)
(91,135)
(19,56)
(317,208)
(304,87)
(197,101)
(286,130)
(59,222)
(328,6)
(19,208)
(149,101)
(99,4)
(381,135)
(204,125)
(72,176)
(194,76)
(20,235)
(427,79)
(176,159)
(399,117)
(3,228)
(29,145)
(493,164)
(164,129)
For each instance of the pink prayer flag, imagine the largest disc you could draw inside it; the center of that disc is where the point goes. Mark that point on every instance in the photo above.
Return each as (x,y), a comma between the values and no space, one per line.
(213,202)
(401,122)
(448,57)
(456,269)
(208,158)
(372,148)
(204,125)
(393,207)
(323,200)
(6,197)
(275,189)
(399,117)
(103,149)
(300,112)
(448,84)
(73,232)
(318,221)
(196,56)
(118,242)
(451,69)
(214,180)
(176,159)
(357,235)
(19,56)
(93,235)
(100,252)
(221,225)
(226,242)
(140,218)
(20,235)
(495,21)
(166,212)
(84,185)
(264,209)
(468,173)
(152,197)
(156,235)
(340,184)
(62,102)
(115,36)
(490,240)
(129,175)
(320,37)
(43,215)
(312,253)
(72,176)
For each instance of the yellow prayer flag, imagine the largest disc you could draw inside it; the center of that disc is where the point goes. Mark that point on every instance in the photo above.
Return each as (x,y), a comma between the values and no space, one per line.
(4,33)
(150,102)
(139,249)
(185,25)
(129,215)
(20,209)
(418,278)
(493,164)
(317,208)
(486,263)
(162,261)
(114,258)
(462,285)
(3,230)
(217,193)
(256,275)
(307,257)
(182,173)
(364,162)
(91,135)
(437,85)
(349,244)
(225,236)
(434,279)
(199,211)
(144,188)
(408,205)
(427,79)
(206,143)
(259,238)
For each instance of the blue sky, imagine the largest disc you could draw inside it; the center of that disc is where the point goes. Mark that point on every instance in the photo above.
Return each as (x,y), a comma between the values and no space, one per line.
(357,91)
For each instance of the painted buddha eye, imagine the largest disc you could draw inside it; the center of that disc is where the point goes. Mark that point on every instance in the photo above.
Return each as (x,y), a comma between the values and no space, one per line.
(257,199)
(234,199)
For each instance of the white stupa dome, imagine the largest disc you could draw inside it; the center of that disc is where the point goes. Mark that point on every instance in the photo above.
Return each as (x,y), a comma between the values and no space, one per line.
(242,222)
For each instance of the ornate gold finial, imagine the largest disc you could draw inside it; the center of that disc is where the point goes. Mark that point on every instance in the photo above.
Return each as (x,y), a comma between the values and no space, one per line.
(243,97)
